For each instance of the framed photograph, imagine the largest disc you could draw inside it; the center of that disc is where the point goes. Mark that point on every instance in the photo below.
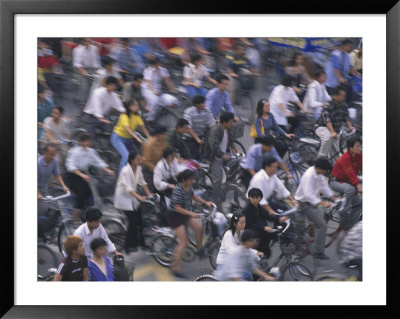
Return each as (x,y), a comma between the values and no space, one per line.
(295,27)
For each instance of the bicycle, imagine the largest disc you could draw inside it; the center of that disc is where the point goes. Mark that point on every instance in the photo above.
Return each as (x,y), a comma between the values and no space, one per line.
(47,260)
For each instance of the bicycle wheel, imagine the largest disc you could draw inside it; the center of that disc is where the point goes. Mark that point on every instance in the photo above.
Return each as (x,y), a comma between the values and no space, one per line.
(333,220)
(206,278)
(232,194)
(46,259)
(212,252)
(116,232)
(67,229)
(239,146)
(162,248)
(308,153)
(296,272)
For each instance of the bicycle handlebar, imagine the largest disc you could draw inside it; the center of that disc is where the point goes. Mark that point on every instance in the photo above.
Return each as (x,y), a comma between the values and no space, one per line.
(52,199)
(287,212)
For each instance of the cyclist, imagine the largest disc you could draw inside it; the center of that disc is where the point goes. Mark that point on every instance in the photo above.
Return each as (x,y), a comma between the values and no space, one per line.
(344,179)
(312,183)
(332,118)
(253,160)
(123,137)
(231,240)
(102,100)
(92,229)
(79,158)
(106,71)
(297,70)
(127,199)
(180,214)
(267,181)
(100,266)
(200,122)
(317,95)
(193,75)
(133,91)
(74,267)
(265,124)
(241,260)
(350,248)
(175,138)
(45,106)
(128,61)
(279,99)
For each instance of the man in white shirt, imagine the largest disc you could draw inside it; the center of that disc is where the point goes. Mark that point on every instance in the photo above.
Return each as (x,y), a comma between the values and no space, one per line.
(312,183)
(86,60)
(268,182)
(100,103)
(317,95)
(93,229)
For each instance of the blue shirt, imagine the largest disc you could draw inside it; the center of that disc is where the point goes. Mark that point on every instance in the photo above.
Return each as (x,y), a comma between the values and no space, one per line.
(270,126)
(340,61)
(254,157)
(217,100)
(95,274)
(46,170)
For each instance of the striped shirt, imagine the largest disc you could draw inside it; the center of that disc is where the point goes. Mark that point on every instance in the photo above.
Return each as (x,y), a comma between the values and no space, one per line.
(199,122)
(182,198)
(336,113)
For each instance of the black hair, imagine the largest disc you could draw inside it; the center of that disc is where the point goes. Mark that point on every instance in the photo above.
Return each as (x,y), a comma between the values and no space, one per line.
(93,214)
(137,76)
(159,129)
(266,140)
(268,161)
(287,80)
(153,60)
(221,77)
(181,122)
(167,152)
(248,235)
(185,175)
(345,42)
(225,117)
(319,72)
(353,140)
(323,163)
(198,99)
(127,104)
(84,136)
(108,60)
(234,220)
(124,40)
(41,88)
(111,80)
(293,61)
(132,155)
(59,108)
(48,145)
(195,57)
(260,106)
(336,90)
(97,243)
(255,193)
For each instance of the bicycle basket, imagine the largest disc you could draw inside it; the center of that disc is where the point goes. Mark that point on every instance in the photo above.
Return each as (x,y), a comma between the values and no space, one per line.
(289,240)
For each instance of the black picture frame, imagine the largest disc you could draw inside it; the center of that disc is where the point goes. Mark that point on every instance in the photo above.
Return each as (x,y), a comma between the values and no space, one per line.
(9,8)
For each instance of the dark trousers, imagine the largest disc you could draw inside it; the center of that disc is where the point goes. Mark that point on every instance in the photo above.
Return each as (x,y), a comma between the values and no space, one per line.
(194,148)
(80,188)
(134,237)
(148,177)
(246,177)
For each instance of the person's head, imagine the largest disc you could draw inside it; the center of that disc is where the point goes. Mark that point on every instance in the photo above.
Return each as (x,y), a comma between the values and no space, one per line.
(98,247)
(267,143)
(85,42)
(108,62)
(131,106)
(222,82)
(239,49)
(134,158)
(195,58)
(297,59)
(160,132)
(270,165)
(111,83)
(57,112)
(249,238)
(85,140)
(169,154)
(125,42)
(93,216)
(287,80)
(320,76)
(339,94)
(186,178)
(182,126)
(137,79)
(262,107)
(238,222)
(226,119)
(346,45)
(322,165)
(41,92)
(49,152)
(154,62)
(73,245)
(255,195)
(354,145)
(199,101)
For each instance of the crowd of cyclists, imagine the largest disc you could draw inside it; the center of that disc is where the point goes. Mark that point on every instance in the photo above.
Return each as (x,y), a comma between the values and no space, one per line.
(136,79)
